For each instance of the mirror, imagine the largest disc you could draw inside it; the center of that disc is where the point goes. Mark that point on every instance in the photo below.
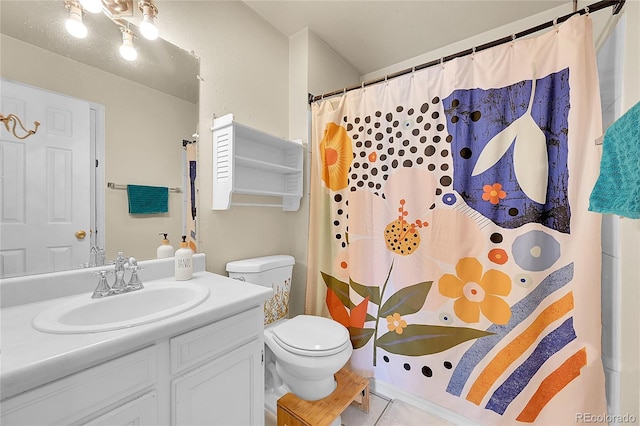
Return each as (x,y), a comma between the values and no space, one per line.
(150,107)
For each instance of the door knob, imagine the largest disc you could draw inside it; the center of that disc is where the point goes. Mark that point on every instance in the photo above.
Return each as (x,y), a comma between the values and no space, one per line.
(80,235)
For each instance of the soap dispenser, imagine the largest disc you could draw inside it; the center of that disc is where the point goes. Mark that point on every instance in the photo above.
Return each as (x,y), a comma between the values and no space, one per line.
(184,261)
(165,249)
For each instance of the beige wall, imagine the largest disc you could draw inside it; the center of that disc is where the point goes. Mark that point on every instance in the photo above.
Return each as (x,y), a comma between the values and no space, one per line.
(262,77)
(313,68)
(298,129)
(143,139)
(244,66)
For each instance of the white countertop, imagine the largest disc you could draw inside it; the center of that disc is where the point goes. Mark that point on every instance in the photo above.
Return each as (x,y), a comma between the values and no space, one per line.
(30,358)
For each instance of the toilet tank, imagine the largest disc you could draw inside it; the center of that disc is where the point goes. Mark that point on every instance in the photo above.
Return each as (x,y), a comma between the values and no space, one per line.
(268,271)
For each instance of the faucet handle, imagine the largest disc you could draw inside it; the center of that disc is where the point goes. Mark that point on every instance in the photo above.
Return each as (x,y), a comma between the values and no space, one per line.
(103,288)
(134,282)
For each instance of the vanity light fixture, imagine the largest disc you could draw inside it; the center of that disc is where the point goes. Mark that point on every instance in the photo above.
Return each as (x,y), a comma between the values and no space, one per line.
(92,6)
(74,24)
(147,26)
(127,51)
(120,12)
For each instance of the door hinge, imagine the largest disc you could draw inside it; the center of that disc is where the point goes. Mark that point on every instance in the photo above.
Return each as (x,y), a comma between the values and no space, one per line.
(96,162)
(262,352)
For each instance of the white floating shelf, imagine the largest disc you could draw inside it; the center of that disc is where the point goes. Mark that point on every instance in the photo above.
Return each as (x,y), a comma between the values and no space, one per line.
(252,162)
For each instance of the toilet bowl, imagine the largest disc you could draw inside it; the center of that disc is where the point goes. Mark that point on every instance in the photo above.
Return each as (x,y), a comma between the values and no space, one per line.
(308,351)
(302,353)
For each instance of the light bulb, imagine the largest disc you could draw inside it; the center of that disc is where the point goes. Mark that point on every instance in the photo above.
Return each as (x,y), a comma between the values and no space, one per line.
(93,6)
(149,13)
(148,28)
(74,24)
(127,51)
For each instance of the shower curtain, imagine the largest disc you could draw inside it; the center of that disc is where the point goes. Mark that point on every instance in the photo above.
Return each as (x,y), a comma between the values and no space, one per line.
(450,233)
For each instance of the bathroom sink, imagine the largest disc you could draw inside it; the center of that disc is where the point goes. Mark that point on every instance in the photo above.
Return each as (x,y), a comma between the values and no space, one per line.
(158,300)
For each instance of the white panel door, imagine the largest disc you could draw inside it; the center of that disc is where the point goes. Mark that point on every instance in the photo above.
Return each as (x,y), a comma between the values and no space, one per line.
(45,182)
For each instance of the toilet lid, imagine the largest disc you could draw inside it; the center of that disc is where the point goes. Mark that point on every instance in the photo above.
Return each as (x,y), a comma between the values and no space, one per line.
(311,335)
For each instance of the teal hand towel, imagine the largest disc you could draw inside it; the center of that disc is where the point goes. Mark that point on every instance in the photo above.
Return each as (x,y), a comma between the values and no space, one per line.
(148,199)
(617,189)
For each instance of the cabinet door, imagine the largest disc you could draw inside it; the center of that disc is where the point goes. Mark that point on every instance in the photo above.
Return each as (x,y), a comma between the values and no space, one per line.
(141,411)
(226,391)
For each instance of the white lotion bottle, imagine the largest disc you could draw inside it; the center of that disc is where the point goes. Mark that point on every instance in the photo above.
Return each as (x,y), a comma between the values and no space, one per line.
(184,261)
(165,249)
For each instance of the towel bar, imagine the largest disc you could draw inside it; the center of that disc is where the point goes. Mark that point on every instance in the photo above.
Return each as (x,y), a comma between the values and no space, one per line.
(112,185)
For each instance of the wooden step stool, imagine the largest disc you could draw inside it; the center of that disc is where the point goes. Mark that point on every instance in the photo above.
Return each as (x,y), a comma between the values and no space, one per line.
(351,388)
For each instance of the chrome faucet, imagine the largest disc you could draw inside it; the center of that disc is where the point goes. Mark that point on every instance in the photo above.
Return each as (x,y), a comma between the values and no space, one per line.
(97,256)
(119,286)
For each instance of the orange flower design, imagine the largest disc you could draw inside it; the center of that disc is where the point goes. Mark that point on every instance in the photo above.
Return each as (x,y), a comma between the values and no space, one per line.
(476,292)
(493,193)
(336,154)
(396,323)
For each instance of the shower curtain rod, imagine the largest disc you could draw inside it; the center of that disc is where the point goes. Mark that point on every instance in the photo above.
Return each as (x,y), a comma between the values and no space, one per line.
(616,4)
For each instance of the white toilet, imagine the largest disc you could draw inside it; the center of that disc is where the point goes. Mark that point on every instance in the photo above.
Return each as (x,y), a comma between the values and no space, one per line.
(302,353)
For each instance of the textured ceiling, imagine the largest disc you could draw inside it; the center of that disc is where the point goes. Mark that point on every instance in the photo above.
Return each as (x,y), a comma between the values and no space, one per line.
(374,34)
(160,64)
(368,34)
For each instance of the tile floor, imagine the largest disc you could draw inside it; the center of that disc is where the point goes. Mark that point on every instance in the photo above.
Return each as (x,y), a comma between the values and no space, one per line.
(383,412)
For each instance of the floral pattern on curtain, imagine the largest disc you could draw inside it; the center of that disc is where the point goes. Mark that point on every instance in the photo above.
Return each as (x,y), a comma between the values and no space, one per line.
(450,232)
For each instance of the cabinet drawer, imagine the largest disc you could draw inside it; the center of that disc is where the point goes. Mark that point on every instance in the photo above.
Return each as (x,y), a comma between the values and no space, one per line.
(72,398)
(140,412)
(199,345)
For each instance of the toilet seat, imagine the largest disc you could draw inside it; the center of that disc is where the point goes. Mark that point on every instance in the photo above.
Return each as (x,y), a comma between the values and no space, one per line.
(310,335)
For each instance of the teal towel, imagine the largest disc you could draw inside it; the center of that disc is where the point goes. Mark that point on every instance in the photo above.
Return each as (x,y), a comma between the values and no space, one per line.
(148,199)
(617,190)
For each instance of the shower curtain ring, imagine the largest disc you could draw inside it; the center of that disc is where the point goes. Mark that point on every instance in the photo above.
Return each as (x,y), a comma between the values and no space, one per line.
(442,62)
(555,24)
(473,53)
(513,39)
(586,10)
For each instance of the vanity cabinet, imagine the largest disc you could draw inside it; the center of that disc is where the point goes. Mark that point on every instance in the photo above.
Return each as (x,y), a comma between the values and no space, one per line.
(251,162)
(210,375)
